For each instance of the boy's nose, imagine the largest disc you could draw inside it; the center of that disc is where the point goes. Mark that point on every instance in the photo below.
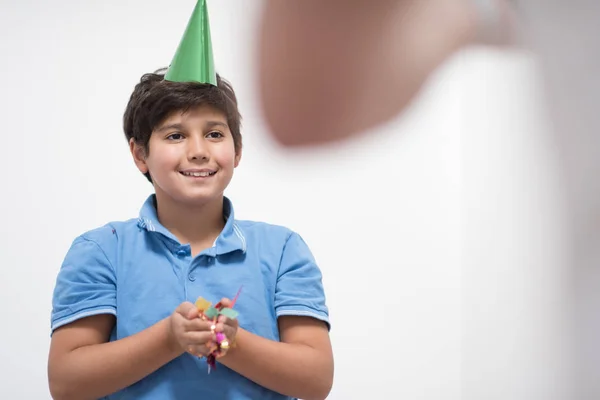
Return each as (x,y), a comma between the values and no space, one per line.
(197,149)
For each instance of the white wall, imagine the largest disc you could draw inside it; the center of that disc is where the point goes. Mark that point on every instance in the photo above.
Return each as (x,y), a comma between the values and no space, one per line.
(513,260)
(413,250)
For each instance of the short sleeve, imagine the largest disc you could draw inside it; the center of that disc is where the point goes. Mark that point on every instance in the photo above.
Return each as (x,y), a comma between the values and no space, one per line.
(85,286)
(299,289)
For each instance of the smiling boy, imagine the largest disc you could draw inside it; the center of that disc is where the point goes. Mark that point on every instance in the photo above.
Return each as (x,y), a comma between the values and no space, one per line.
(123,320)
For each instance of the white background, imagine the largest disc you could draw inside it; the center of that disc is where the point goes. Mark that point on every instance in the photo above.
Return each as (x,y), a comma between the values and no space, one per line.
(436,234)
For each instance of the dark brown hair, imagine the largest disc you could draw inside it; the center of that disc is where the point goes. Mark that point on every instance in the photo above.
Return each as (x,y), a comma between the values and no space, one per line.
(154,99)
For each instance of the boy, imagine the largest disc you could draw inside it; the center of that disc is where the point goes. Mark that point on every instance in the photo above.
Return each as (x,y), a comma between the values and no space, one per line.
(123,321)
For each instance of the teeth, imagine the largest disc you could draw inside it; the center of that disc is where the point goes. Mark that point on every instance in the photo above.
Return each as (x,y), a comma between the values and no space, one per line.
(198,174)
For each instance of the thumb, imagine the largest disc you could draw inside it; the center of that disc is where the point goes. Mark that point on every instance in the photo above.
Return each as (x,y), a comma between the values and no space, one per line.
(192,312)
(188,310)
(225,302)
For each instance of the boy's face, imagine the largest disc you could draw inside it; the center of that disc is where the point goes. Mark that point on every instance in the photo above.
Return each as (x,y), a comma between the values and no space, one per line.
(191,157)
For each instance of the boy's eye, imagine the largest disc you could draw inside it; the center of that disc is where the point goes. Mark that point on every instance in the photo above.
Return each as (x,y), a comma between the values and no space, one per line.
(215,135)
(175,136)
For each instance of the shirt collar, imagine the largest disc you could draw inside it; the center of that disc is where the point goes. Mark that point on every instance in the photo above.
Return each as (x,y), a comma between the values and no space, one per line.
(229,240)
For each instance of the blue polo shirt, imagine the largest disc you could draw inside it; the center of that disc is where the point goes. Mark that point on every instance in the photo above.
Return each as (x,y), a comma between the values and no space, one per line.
(139,272)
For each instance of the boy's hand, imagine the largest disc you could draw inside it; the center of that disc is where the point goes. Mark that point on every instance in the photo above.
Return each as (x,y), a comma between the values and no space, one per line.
(190,333)
(228,326)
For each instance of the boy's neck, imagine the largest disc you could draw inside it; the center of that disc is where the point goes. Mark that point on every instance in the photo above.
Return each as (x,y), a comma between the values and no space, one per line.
(198,226)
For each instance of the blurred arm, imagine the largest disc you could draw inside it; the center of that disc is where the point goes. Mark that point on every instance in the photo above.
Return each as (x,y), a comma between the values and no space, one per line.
(330,69)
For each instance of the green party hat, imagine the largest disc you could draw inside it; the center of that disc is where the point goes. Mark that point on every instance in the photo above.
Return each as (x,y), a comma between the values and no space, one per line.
(193,60)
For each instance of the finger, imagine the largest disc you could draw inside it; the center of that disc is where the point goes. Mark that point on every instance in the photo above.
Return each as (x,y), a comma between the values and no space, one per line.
(225,302)
(219,327)
(198,338)
(199,351)
(178,319)
(226,321)
(184,325)
(197,325)
(192,313)
(230,335)
(184,308)
(229,329)
(233,323)
(204,349)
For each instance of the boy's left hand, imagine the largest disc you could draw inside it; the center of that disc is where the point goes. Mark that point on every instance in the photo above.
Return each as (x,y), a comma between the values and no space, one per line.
(228,326)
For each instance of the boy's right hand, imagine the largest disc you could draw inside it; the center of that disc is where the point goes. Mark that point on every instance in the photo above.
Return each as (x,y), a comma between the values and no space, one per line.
(190,333)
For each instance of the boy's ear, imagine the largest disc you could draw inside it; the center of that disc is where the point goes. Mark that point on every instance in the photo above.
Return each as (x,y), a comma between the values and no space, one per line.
(238,157)
(139,156)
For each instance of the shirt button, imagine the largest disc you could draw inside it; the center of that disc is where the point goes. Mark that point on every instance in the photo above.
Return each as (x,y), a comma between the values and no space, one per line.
(192,278)
(181,253)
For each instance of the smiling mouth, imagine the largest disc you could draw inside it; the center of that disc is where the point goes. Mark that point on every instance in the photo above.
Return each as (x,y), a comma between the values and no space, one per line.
(202,174)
